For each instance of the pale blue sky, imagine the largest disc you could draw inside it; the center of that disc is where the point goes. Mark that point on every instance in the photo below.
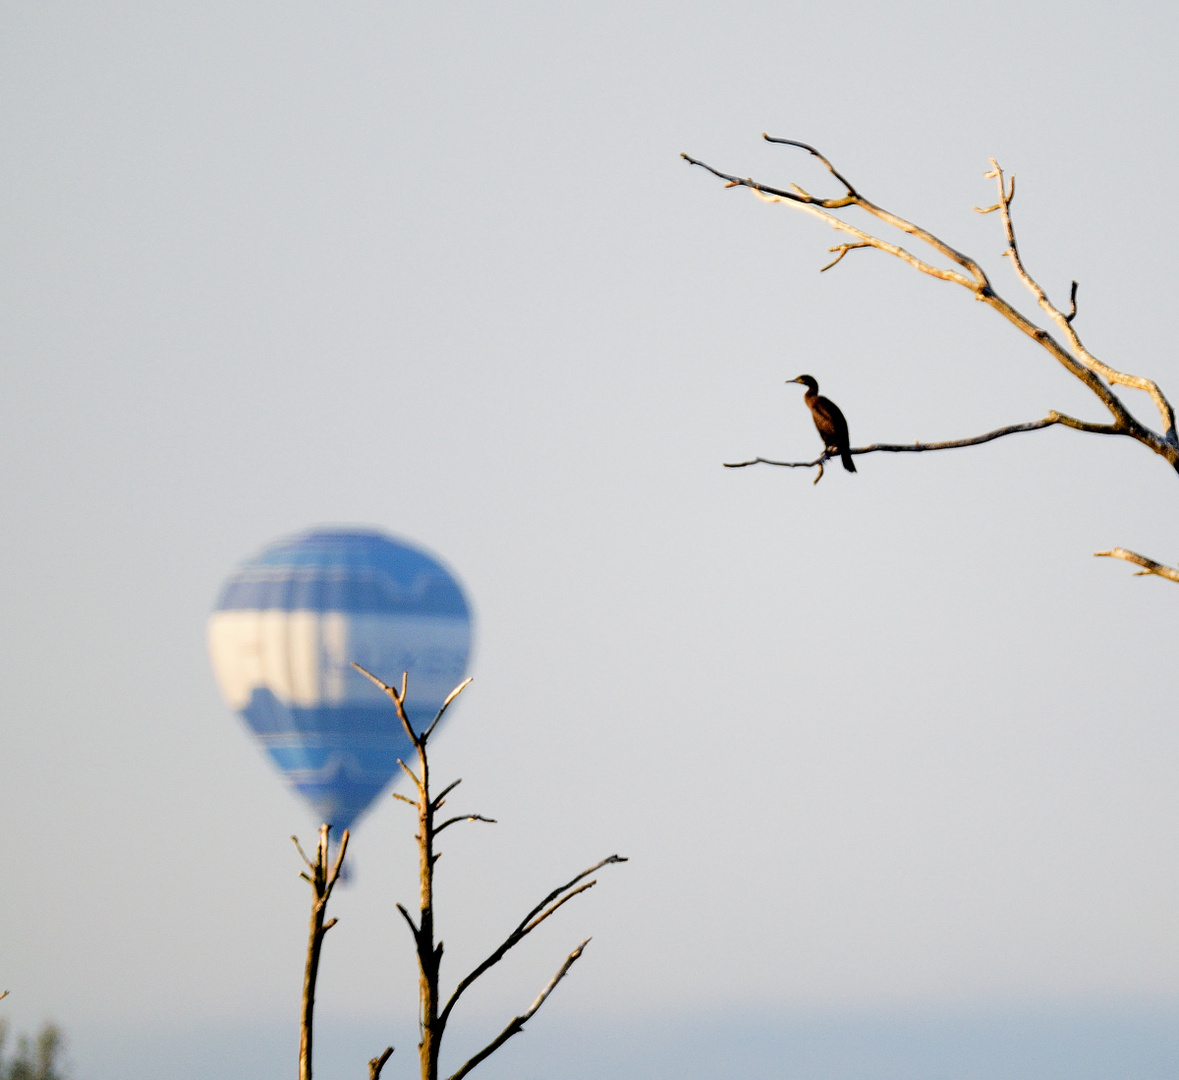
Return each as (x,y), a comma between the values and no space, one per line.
(897,742)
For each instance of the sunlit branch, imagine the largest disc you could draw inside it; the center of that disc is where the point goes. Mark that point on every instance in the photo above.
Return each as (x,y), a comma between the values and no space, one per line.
(1079,362)
(1149,565)
(376,1064)
(1064,320)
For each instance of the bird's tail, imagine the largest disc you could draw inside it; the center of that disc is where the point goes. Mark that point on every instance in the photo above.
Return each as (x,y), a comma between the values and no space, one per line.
(846,458)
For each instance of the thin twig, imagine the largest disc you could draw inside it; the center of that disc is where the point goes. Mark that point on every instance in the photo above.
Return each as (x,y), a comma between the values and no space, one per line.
(568,885)
(919,447)
(843,249)
(397,699)
(1150,566)
(372,678)
(405,915)
(376,1064)
(552,908)
(446,705)
(339,862)
(797,195)
(464,817)
(811,150)
(298,847)
(529,923)
(412,775)
(516,1024)
(441,797)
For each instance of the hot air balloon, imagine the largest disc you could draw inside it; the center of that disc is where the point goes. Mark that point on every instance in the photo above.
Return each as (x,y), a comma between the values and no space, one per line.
(289,623)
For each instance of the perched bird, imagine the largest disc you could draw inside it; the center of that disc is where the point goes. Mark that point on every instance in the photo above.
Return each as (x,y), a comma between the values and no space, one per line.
(829,420)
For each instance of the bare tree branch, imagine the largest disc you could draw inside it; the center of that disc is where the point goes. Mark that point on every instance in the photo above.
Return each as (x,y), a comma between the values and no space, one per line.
(813,207)
(552,908)
(376,1064)
(516,1024)
(843,249)
(391,691)
(529,923)
(814,153)
(398,700)
(1070,352)
(409,922)
(1065,320)
(432,1022)
(920,447)
(569,884)
(446,705)
(412,775)
(805,201)
(967,263)
(336,867)
(1079,362)
(440,799)
(303,855)
(1151,567)
(464,817)
(323,879)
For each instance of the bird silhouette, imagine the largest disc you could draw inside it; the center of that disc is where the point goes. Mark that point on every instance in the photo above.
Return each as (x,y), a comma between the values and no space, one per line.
(829,420)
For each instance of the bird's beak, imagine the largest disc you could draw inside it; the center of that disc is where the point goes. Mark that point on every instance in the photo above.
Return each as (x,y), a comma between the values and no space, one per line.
(789,381)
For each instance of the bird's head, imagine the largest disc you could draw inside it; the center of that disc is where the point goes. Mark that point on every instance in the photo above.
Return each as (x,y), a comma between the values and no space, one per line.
(809,381)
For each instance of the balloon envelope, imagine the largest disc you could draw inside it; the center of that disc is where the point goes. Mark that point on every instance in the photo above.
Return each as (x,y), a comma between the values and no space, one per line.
(288,625)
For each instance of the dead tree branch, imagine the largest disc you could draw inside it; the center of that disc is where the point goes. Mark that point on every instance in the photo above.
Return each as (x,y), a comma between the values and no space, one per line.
(323,878)
(465,817)
(516,1024)
(1068,350)
(530,922)
(376,1064)
(1065,320)
(433,1019)
(1150,566)
(920,447)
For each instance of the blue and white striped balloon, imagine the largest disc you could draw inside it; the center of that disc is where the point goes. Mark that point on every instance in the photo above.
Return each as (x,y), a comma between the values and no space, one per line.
(285,631)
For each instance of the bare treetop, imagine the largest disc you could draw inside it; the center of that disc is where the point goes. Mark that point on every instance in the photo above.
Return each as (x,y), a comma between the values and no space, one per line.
(434,1014)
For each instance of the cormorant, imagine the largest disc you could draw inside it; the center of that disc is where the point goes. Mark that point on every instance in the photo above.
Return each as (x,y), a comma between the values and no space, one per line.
(829,420)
